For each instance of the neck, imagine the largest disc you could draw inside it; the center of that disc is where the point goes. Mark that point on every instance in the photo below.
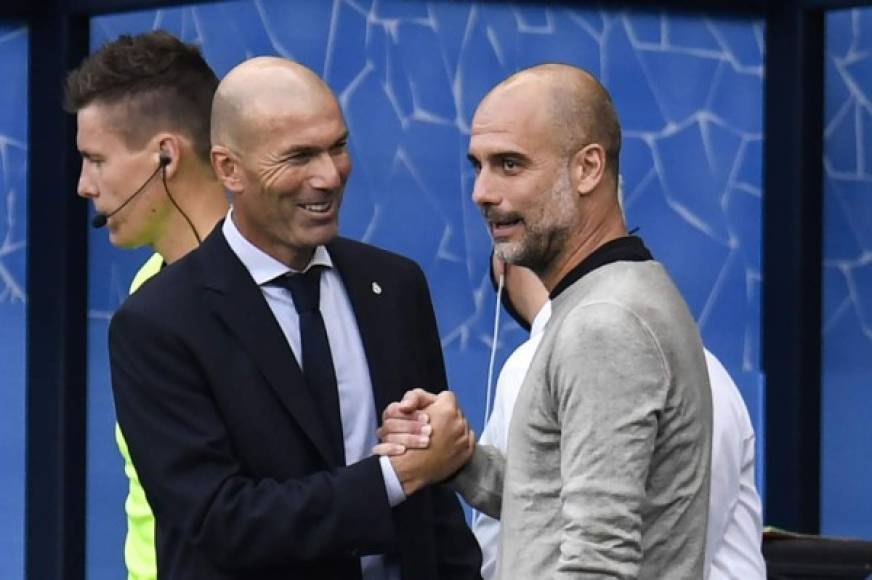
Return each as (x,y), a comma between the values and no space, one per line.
(579,247)
(532,307)
(203,200)
(295,258)
(525,292)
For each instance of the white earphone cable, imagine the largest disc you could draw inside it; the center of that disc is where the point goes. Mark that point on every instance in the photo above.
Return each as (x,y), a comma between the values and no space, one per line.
(491,387)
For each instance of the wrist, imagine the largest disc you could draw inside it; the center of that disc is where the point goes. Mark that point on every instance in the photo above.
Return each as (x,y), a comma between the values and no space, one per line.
(409,480)
(413,485)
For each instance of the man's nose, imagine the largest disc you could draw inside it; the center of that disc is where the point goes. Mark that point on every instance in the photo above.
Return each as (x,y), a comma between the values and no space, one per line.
(86,187)
(483,190)
(325,173)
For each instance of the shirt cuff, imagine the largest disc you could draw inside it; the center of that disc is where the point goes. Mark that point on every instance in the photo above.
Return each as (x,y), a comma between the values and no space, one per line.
(392,483)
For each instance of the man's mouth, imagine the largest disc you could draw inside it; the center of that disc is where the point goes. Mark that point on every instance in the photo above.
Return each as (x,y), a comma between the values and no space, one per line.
(503,226)
(321,207)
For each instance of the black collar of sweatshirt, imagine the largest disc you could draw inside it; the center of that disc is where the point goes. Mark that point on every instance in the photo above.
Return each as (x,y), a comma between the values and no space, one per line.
(625,249)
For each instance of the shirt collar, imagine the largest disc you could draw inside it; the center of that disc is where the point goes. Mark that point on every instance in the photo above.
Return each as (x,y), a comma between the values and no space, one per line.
(541,319)
(623,249)
(263,267)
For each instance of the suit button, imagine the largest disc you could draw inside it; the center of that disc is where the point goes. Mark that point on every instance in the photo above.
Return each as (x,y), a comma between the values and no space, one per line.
(354,553)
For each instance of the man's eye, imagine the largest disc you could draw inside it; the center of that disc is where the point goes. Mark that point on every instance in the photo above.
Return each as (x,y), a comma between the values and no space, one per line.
(510,164)
(299,158)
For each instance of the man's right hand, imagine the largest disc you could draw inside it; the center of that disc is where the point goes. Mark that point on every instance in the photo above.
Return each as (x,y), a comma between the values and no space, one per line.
(450,444)
(405,425)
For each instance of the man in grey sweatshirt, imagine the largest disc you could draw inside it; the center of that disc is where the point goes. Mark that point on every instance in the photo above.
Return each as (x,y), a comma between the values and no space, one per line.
(606,473)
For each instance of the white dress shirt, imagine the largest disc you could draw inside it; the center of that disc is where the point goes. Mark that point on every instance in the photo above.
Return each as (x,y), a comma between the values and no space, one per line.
(356,402)
(734,534)
(735,526)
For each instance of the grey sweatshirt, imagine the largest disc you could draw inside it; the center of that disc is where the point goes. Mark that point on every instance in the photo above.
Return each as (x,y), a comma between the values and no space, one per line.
(607,468)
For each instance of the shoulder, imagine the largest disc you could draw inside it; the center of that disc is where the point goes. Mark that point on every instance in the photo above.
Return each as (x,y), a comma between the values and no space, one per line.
(603,328)
(730,413)
(601,320)
(347,248)
(625,299)
(358,258)
(172,291)
(643,287)
(598,339)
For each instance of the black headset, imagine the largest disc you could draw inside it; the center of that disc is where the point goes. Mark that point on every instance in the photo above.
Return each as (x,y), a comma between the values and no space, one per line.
(101,219)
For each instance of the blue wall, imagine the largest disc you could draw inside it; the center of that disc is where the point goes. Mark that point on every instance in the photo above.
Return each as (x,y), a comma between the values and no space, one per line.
(13,293)
(409,75)
(846,460)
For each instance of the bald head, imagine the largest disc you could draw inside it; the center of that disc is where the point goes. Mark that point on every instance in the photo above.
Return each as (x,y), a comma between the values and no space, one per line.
(257,91)
(579,107)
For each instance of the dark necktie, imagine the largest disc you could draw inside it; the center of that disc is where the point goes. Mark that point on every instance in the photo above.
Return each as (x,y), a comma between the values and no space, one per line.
(317,361)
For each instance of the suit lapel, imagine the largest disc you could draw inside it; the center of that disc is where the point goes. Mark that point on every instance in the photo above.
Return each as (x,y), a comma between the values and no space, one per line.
(238,301)
(368,300)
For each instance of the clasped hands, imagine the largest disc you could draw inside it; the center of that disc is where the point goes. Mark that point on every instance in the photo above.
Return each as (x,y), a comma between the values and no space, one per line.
(426,437)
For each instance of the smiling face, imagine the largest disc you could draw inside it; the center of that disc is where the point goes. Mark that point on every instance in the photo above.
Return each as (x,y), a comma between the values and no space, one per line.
(112,172)
(292,176)
(523,183)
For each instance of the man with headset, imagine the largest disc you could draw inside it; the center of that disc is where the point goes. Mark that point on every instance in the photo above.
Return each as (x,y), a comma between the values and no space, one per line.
(142,106)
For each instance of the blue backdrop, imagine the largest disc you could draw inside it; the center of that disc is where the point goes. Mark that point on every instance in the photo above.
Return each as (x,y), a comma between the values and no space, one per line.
(846,461)
(409,75)
(13,293)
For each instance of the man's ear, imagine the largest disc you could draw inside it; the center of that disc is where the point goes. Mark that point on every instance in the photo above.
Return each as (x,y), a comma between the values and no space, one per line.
(587,168)
(169,147)
(227,168)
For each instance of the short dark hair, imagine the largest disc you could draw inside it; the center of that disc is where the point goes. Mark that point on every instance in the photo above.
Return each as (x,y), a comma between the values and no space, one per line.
(163,83)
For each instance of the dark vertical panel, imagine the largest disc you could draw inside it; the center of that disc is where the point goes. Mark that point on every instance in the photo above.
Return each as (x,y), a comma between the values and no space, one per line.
(792,263)
(56,330)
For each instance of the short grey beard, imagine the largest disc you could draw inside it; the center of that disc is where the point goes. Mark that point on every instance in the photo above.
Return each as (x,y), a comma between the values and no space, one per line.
(539,249)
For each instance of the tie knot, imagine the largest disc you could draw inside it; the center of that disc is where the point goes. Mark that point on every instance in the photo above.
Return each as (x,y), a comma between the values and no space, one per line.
(305,288)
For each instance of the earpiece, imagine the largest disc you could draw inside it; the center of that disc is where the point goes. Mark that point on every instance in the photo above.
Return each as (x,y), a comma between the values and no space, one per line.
(163,160)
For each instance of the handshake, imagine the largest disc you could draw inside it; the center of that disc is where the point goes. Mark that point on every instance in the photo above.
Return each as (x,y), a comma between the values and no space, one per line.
(426,437)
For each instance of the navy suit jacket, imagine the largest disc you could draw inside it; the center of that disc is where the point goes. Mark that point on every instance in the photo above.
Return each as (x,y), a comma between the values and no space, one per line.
(235,465)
